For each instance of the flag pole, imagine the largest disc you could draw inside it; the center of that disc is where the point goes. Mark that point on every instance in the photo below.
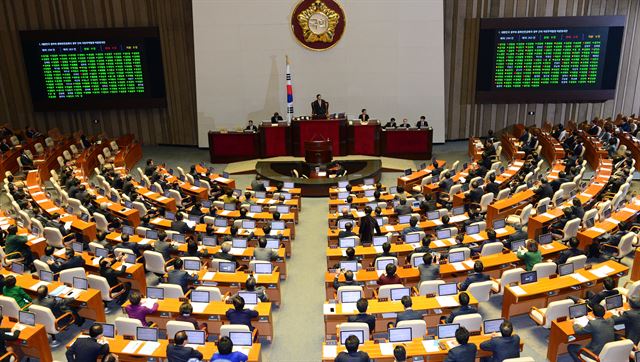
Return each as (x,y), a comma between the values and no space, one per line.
(289,92)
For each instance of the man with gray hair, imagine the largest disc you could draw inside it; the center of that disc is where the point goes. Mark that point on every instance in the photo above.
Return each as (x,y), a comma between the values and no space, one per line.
(224,252)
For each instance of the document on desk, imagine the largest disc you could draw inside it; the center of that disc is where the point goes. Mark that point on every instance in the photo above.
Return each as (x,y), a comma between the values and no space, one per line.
(242,349)
(389,228)
(329,351)
(378,249)
(74,293)
(148,348)
(547,246)
(582,321)
(38,284)
(447,301)
(225,212)
(221,230)
(458,266)
(132,347)
(439,243)
(156,220)
(386,349)
(236,251)
(477,237)
(517,290)
(548,215)
(348,307)
(579,277)
(458,218)
(431,345)
(209,275)
(199,307)
(602,272)
(598,230)
(149,302)
(190,223)
(61,290)
(613,221)
(469,263)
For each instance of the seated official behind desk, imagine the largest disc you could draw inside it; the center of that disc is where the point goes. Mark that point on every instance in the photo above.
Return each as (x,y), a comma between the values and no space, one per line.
(505,346)
(240,315)
(226,354)
(88,349)
(631,320)
(602,332)
(319,108)
(409,314)
(180,277)
(137,311)
(464,309)
(178,352)
(352,354)
(464,351)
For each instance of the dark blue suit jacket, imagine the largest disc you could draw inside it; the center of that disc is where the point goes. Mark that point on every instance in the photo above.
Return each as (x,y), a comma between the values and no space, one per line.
(181,353)
(461,311)
(364,318)
(86,350)
(242,317)
(462,353)
(181,278)
(473,278)
(408,315)
(502,347)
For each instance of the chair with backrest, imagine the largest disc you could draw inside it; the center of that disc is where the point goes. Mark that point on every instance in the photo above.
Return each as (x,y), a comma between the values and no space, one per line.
(101,222)
(154,262)
(52,325)
(429,287)
(108,293)
(174,194)
(349,288)
(612,351)
(10,307)
(214,292)
(624,248)
(387,258)
(545,269)
(485,201)
(355,327)
(545,316)
(491,248)
(127,326)
(578,261)
(172,291)
(570,229)
(481,290)
(465,250)
(225,329)
(41,265)
(384,291)
(418,327)
(523,218)
(503,194)
(67,275)
(508,277)
(54,237)
(472,322)
(174,327)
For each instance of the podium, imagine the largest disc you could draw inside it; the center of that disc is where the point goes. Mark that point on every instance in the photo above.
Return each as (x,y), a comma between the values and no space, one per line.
(318,152)
(332,129)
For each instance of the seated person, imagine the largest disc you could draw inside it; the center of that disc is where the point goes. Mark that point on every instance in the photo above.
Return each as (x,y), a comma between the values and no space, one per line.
(348,280)
(413,226)
(574,250)
(192,249)
(391,124)
(424,244)
(164,247)
(445,223)
(399,354)
(350,256)
(15,243)
(503,347)
(7,335)
(403,208)
(345,214)
(530,256)
(476,276)
(256,185)
(185,315)
(251,286)
(390,276)
(601,330)
(178,352)
(137,311)
(228,197)
(251,127)
(352,354)
(179,276)
(475,194)
(631,320)
(464,309)
(224,254)
(348,227)
(72,261)
(88,349)
(225,351)
(57,306)
(11,290)
(179,225)
(112,275)
(263,253)
(464,351)
(428,270)
(595,298)
(240,315)
(408,314)
(362,316)
(386,251)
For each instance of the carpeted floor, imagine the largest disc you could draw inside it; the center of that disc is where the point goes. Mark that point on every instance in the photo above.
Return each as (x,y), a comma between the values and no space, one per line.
(298,324)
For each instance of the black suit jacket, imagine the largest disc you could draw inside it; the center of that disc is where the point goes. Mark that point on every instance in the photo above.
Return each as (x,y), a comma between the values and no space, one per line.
(357,356)
(86,350)
(601,330)
(461,311)
(112,275)
(321,109)
(364,318)
(631,320)
(181,227)
(462,353)
(502,347)
(181,278)
(56,306)
(74,262)
(181,353)
(368,226)
(6,335)
(492,187)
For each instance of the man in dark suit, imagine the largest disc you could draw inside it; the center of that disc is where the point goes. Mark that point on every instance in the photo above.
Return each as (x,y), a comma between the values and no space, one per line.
(26,161)
(476,193)
(72,261)
(352,354)
(464,351)
(609,290)
(57,306)
(631,320)
(88,349)
(544,190)
(506,346)
(362,316)
(391,124)
(251,127)
(276,118)
(348,280)
(6,335)
(368,226)
(256,185)
(179,276)
(578,209)
(319,108)
(224,252)
(178,352)
(409,314)
(150,169)
(475,277)
(422,123)
(112,275)
(574,250)
(464,308)
(492,186)
(239,315)
(445,185)
(601,330)
(364,117)
(403,208)
(428,270)
(179,225)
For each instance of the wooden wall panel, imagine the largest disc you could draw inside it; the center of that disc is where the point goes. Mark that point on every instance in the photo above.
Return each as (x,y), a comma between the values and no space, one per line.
(175,124)
(465,119)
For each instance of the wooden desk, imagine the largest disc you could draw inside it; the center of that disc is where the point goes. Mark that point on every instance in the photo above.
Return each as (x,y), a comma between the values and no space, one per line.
(118,344)
(511,147)
(385,311)
(214,314)
(546,290)
(135,274)
(476,148)
(412,143)
(234,146)
(129,154)
(32,342)
(625,214)
(552,150)
(233,282)
(89,301)
(216,178)
(408,181)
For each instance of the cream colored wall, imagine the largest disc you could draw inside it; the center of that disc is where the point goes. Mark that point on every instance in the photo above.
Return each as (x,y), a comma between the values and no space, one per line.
(390,60)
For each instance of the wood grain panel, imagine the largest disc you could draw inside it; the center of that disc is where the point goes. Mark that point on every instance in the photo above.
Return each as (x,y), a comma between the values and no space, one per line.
(175,124)
(466,119)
